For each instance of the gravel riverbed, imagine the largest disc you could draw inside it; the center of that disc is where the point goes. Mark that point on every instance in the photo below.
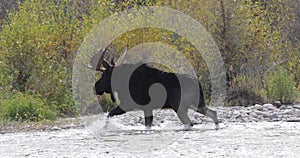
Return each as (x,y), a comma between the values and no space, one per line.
(255,131)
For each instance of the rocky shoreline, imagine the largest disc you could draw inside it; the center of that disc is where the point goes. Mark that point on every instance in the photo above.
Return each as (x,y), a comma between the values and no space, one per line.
(258,113)
(59,124)
(255,113)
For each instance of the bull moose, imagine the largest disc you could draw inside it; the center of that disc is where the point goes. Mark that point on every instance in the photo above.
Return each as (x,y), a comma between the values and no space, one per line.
(178,98)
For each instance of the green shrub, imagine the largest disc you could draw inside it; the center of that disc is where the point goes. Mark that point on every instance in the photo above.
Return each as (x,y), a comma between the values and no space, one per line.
(109,103)
(24,107)
(105,102)
(281,86)
(37,48)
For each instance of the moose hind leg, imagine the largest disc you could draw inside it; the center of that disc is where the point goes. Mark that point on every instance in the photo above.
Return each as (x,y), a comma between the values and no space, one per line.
(148,122)
(148,118)
(210,113)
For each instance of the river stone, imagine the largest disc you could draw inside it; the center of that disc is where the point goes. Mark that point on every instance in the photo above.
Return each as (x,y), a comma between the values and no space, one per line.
(136,120)
(69,126)
(269,106)
(246,119)
(297,113)
(282,107)
(266,114)
(258,107)
(258,112)
(55,128)
(252,114)
(296,107)
(197,116)
(293,120)
(288,112)
(236,114)
(254,119)
(276,119)
(247,112)
(276,110)
(274,115)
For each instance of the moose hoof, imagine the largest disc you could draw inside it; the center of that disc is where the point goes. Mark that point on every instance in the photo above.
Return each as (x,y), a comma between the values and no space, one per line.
(105,126)
(188,127)
(147,127)
(107,122)
(217,127)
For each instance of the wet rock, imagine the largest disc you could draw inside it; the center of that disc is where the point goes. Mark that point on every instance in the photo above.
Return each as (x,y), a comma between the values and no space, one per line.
(246,119)
(274,116)
(258,107)
(258,112)
(69,126)
(288,112)
(276,119)
(236,113)
(240,119)
(296,107)
(283,107)
(277,104)
(269,107)
(237,116)
(236,108)
(197,116)
(266,114)
(293,120)
(247,112)
(254,119)
(297,113)
(136,120)
(252,114)
(276,110)
(56,128)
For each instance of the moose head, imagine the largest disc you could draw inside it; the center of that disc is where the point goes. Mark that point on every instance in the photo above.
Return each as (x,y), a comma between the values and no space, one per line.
(98,63)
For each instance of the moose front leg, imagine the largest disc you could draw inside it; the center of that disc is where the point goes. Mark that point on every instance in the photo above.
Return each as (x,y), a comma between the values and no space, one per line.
(112,97)
(184,118)
(116,111)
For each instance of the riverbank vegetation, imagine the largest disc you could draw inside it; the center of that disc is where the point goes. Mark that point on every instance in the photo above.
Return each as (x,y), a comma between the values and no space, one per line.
(258,40)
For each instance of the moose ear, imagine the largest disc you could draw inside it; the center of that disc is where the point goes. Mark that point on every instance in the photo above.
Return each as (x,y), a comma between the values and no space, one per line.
(106,64)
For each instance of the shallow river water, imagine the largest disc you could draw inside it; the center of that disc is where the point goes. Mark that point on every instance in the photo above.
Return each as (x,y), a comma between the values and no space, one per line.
(254,139)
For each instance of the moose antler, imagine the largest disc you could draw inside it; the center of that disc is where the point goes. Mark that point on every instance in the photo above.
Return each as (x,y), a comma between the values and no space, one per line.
(122,57)
(96,61)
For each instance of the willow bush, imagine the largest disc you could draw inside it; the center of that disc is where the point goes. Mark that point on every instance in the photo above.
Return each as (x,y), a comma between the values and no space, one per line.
(38,44)
(24,107)
(281,86)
